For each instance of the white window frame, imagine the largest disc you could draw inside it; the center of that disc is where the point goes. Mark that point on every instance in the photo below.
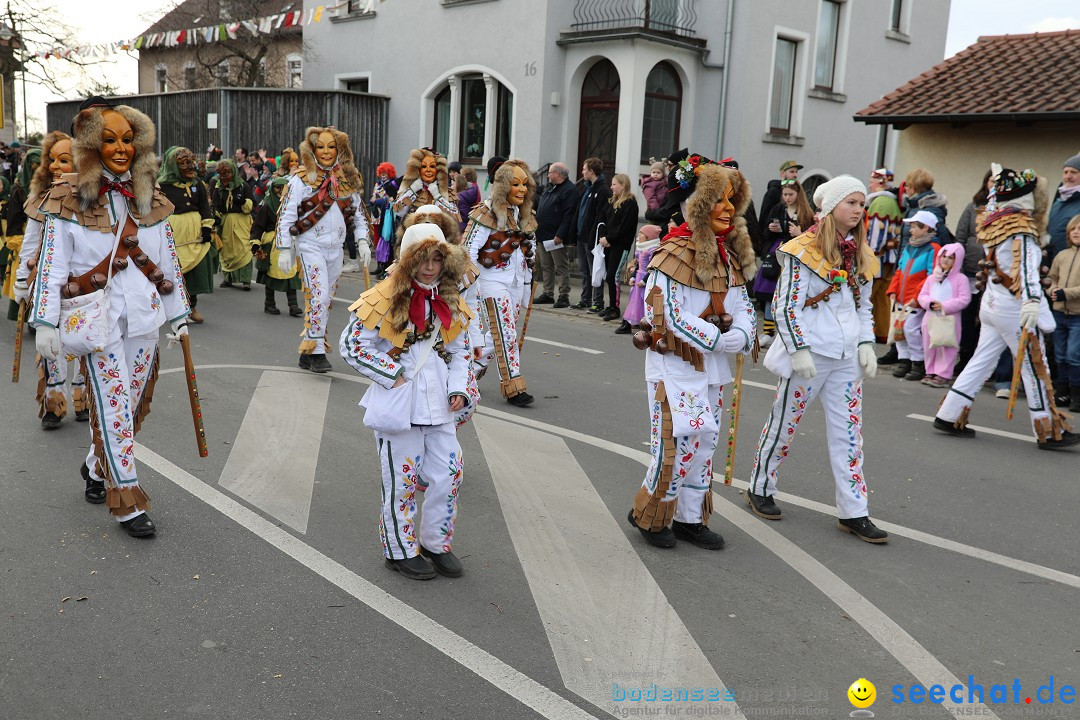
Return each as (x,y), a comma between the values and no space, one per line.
(800,82)
(840,55)
(289,60)
(453,78)
(190,65)
(161,78)
(902,33)
(343,79)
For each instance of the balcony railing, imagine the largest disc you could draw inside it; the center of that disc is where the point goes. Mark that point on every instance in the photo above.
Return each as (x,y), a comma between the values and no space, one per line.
(668,17)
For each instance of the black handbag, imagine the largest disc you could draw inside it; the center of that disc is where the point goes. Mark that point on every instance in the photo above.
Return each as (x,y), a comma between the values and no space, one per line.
(770,267)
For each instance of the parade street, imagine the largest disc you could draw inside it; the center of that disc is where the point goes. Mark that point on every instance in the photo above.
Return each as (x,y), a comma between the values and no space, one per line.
(264,593)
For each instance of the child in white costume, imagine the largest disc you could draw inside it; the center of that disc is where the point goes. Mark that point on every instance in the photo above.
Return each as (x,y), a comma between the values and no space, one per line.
(324,194)
(824,317)
(409,335)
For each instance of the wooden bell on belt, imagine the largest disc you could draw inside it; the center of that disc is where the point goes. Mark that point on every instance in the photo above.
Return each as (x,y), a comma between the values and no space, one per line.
(98,281)
(70,290)
(643,336)
(119,264)
(165,287)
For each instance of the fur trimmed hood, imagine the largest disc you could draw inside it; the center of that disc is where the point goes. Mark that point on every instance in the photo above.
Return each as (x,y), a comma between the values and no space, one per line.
(88,126)
(454,264)
(43,176)
(346,170)
(713,182)
(500,188)
(434,214)
(412,170)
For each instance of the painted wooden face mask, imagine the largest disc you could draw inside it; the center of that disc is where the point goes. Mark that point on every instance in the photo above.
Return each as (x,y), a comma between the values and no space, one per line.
(185,163)
(519,187)
(117,143)
(60,158)
(429,168)
(326,150)
(723,213)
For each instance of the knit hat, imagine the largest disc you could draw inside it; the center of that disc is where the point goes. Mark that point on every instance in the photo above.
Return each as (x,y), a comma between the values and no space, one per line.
(829,194)
(650,238)
(420,232)
(1073,162)
(651,232)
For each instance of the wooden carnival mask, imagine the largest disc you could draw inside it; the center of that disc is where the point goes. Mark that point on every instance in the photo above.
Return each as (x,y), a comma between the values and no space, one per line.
(60,158)
(117,143)
(429,168)
(185,163)
(326,150)
(723,212)
(224,172)
(519,187)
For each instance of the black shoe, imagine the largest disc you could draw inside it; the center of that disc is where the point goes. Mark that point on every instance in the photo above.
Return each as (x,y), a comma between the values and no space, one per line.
(319,364)
(863,529)
(763,506)
(903,367)
(581,305)
(521,399)
(624,328)
(543,299)
(82,415)
(50,421)
(295,311)
(139,526)
(596,309)
(889,358)
(1067,440)
(947,427)
(95,489)
(271,309)
(562,302)
(225,284)
(1074,402)
(610,314)
(697,534)
(917,372)
(305,362)
(661,538)
(446,564)
(414,568)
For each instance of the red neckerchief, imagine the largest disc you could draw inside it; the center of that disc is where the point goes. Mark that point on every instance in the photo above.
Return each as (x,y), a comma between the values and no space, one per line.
(848,248)
(122,188)
(330,180)
(418,311)
(684,231)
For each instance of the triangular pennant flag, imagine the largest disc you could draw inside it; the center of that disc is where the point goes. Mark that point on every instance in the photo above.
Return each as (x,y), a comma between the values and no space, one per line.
(182,36)
(317,17)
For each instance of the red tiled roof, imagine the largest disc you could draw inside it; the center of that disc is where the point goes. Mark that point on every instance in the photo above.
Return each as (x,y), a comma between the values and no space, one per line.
(201,13)
(1028,77)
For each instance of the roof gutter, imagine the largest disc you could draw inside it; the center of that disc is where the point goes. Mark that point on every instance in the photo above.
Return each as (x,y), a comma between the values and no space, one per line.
(1019,117)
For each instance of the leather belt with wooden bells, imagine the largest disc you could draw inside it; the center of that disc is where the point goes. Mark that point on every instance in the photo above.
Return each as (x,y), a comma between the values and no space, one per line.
(314,209)
(648,337)
(127,251)
(500,246)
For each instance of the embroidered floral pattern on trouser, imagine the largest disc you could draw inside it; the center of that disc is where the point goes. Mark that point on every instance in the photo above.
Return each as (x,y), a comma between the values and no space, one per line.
(321,270)
(434,451)
(51,395)
(500,318)
(839,383)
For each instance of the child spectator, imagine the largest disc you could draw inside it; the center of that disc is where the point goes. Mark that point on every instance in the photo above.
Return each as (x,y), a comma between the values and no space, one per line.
(648,239)
(1065,294)
(654,187)
(790,218)
(916,264)
(946,292)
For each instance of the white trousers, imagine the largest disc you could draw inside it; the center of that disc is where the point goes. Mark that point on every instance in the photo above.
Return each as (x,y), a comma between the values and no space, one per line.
(911,347)
(118,378)
(434,451)
(501,317)
(52,395)
(839,383)
(320,268)
(998,332)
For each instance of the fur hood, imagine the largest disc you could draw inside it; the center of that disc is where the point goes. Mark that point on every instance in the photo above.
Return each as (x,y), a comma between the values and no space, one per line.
(712,182)
(433,214)
(932,199)
(500,188)
(346,170)
(454,264)
(412,170)
(43,176)
(88,126)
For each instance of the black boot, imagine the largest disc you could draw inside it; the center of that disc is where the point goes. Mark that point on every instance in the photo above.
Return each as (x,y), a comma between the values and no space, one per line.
(95,489)
(414,568)
(917,372)
(624,328)
(1067,440)
(294,308)
(319,364)
(139,526)
(562,302)
(950,428)
(661,538)
(903,367)
(888,358)
(446,564)
(1074,404)
(522,399)
(50,421)
(763,506)
(697,534)
(544,299)
(863,529)
(270,307)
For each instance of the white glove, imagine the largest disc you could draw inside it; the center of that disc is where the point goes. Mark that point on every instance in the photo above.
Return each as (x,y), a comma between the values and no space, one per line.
(803,364)
(285,260)
(48,342)
(417,186)
(868,360)
(179,329)
(1029,314)
(363,253)
(433,188)
(21,290)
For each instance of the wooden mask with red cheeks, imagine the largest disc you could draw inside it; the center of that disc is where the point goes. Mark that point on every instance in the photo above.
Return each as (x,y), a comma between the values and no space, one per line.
(60,158)
(429,168)
(723,212)
(117,143)
(519,187)
(326,150)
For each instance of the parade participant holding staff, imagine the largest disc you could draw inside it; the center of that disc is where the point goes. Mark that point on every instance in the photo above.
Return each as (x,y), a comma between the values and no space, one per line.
(57,150)
(324,194)
(409,335)
(1013,305)
(15,225)
(192,222)
(824,317)
(499,242)
(233,202)
(696,310)
(263,233)
(426,182)
(107,226)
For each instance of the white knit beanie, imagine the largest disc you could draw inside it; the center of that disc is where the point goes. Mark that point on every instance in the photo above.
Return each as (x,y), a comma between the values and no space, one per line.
(418,233)
(829,194)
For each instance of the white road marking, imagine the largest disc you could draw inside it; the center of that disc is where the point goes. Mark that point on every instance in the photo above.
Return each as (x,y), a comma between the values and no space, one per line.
(515,684)
(287,411)
(590,351)
(913,656)
(980,428)
(579,566)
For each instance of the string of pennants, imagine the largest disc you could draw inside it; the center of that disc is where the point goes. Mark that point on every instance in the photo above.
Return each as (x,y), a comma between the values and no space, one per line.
(205,35)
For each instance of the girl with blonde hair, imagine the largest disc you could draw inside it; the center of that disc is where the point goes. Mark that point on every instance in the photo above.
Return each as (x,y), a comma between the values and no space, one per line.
(618,226)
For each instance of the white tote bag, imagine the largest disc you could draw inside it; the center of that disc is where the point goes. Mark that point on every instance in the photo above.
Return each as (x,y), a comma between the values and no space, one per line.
(84,320)
(389,410)
(599,266)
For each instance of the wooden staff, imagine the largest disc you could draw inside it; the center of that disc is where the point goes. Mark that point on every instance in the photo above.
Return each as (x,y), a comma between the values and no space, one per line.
(193,396)
(1018,363)
(733,426)
(367,278)
(21,320)
(525,321)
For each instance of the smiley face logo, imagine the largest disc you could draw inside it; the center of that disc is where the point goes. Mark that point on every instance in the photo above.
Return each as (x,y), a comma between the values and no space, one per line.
(862,693)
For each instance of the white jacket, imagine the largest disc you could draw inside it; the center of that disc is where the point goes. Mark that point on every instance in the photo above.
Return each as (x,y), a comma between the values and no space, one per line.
(508,277)
(328,232)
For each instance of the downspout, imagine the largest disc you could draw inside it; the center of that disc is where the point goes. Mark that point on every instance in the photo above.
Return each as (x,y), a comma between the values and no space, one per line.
(724,80)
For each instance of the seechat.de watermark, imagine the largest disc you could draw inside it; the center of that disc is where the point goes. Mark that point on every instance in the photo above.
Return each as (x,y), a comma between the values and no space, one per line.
(1049,693)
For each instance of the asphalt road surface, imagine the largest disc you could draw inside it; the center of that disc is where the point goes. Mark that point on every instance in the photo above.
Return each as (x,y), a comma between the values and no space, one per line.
(264,594)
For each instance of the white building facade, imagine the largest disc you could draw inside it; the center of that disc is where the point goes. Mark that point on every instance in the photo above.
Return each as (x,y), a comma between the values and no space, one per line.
(626,80)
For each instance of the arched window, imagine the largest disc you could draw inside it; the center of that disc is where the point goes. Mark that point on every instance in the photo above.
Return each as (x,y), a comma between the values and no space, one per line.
(472,118)
(663,110)
(598,126)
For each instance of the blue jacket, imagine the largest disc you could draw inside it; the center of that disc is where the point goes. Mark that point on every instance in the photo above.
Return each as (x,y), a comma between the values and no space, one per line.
(927,200)
(1060,213)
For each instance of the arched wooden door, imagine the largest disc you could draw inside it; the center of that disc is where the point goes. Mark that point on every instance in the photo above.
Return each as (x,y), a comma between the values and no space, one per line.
(598,129)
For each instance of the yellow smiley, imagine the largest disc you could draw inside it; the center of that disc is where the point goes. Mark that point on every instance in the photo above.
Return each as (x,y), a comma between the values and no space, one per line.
(862,693)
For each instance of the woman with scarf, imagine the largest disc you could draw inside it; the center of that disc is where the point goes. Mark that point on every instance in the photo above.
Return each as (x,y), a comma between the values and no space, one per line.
(263,232)
(192,222)
(15,217)
(233,203)
(324,194)
(824,318)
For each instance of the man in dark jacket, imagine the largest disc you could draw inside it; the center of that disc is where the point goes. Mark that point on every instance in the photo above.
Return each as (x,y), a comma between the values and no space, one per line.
(789,170)
(555,214)
(1066,205)
(596,192)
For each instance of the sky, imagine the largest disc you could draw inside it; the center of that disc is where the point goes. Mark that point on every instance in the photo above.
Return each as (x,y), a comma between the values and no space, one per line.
(968,19)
